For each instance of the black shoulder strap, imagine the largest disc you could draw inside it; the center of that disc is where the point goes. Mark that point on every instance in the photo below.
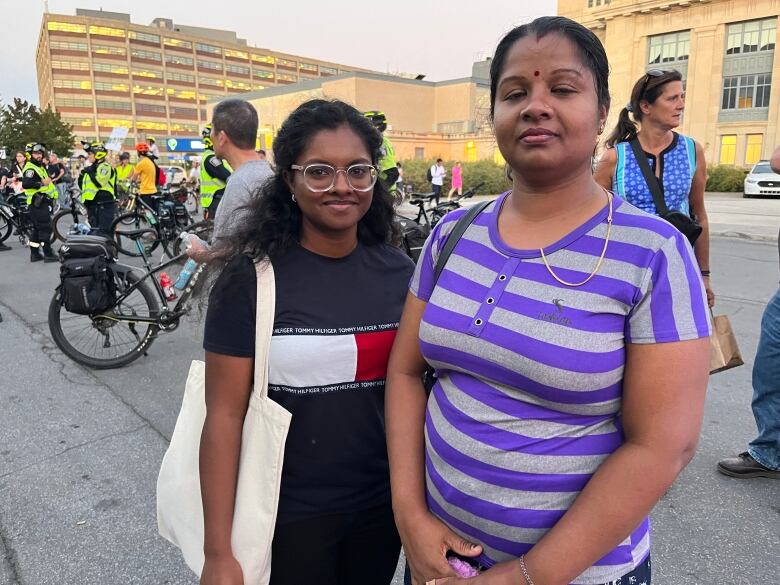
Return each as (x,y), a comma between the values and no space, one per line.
(452,240)
(650,178)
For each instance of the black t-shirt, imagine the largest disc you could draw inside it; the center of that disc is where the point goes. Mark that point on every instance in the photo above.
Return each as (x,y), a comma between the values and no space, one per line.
(54,170)
(334,324)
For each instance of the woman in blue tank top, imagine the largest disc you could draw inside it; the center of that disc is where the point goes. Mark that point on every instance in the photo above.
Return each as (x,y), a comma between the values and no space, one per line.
(657,103)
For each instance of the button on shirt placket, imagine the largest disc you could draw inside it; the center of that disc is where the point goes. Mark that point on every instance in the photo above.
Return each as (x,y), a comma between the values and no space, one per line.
(492,297)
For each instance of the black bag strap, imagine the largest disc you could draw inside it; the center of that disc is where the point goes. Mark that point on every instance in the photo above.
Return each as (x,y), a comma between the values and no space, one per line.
(650,178)
(457,232)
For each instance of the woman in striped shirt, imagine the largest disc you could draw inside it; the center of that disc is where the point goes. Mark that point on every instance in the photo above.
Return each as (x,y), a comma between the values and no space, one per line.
(568,331)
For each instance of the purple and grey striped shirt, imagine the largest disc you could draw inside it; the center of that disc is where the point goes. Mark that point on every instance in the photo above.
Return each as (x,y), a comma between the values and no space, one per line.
(530,371)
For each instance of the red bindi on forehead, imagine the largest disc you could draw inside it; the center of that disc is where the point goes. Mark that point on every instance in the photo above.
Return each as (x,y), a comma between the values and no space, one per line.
(536,74)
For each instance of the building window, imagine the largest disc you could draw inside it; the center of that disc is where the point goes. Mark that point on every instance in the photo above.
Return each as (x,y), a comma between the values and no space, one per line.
(229,83)
(142,36)
(237,69)
(209,65)
(236,54)
(285,77)
(328,71)
(263,59)
(103,86)
(263,74)
(746,91)
(669,47)
(154,90)
(67,27)
(204,48)
(110,68)
(177,43)
(107,31)
(74,103)
(179,127)
(183,77)
(113,105)
(79,122)
(592,3)
(108,50)
(65,46)
(728,149)
(308,67)
(182,94)
(147,74)
(149,55)
(148,125)
(287,63)
(72,84)
(178,60)
(149,108)
(755,142)
(71,65)
(751,37)
(210,81)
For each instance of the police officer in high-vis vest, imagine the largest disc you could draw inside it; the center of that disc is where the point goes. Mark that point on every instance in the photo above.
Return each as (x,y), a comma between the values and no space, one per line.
(214,174)
(98,189)
(40,192)
(388,171)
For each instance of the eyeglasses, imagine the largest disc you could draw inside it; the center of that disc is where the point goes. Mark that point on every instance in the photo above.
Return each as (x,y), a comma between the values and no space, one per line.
(651,73)
(321,177)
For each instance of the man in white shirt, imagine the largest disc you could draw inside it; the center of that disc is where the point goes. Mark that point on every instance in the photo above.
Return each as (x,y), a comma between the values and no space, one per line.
(438,172)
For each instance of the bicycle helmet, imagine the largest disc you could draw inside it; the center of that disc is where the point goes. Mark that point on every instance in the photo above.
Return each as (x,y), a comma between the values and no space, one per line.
(378,119)
(206,133)
(99,150)
(31,147)
(142,148)
(151,139)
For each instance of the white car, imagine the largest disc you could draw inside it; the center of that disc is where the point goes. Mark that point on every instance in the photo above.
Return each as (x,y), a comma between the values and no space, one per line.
(762,181)
(175,175)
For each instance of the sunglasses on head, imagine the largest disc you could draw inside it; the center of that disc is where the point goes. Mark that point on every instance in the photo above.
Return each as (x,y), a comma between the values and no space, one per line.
(649,74)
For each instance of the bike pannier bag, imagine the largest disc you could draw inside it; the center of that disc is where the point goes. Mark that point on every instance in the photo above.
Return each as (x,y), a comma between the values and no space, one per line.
(79,246)
(86,285)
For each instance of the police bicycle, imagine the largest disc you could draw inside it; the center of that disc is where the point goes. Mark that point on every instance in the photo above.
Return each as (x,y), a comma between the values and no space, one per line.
(137,311)
(15,218)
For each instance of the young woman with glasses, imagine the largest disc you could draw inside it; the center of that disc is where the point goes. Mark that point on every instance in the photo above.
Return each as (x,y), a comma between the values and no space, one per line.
(677,161)
(325,222)
(569,332)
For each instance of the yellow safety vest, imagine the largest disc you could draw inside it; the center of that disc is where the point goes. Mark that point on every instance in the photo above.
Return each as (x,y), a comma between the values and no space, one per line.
(209,185)
(49,190)
(123,172)
(106,182)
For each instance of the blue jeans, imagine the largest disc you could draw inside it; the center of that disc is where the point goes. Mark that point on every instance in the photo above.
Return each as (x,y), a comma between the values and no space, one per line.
(765,448)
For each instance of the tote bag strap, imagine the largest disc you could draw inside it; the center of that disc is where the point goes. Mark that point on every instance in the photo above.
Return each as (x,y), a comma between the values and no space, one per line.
(264,324)
(650,178)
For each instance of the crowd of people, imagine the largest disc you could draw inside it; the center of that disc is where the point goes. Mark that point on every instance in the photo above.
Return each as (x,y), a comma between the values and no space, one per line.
(567,327)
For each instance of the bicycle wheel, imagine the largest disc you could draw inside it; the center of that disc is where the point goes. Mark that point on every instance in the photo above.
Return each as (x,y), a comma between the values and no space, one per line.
(5,228)
(192,202)
(102,341)
(63,224)
(130,222)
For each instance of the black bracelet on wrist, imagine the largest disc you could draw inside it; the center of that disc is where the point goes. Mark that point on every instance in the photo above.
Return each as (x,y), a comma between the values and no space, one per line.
(705,272)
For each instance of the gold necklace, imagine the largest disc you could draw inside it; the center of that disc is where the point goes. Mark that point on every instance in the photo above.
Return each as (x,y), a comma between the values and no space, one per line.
(601,258)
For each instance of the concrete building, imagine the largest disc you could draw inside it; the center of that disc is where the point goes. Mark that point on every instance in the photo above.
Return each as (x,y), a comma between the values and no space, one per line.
(99,71)
(725,50)
(447,119)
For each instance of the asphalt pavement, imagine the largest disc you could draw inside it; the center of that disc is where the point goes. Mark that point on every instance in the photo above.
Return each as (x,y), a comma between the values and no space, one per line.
(80,449)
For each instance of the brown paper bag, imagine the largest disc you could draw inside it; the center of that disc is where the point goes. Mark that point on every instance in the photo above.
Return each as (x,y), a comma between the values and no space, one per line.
(724,353)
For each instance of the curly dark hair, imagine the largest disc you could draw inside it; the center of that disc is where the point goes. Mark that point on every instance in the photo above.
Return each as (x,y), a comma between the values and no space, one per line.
(271,223)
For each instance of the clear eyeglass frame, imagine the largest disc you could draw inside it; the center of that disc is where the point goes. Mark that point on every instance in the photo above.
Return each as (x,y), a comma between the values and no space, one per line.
(306,170)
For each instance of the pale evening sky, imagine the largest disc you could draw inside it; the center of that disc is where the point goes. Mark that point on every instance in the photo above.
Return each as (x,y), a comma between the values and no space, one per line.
(438,39)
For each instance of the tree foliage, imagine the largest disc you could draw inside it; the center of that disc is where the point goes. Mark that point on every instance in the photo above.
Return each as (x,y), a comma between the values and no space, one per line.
(22,122)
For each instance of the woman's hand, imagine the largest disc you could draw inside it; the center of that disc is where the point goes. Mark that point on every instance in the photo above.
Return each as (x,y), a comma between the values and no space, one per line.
(222,570)
(426,540)
(506,573)
(708,290)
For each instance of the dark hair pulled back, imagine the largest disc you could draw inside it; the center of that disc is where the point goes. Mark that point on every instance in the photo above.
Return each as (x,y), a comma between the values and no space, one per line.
(647,88)
(588,45)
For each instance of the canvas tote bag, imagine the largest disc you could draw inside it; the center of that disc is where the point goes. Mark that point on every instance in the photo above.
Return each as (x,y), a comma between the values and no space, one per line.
(724,352)
(179,505)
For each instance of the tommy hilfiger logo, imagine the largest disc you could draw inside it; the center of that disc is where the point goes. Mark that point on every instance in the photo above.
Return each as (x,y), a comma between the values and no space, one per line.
(556,316)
